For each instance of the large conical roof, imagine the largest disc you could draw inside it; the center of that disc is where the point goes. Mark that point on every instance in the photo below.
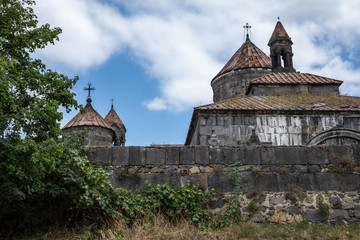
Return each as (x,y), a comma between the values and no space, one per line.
(247,56)
(112,117)
(279,33)
(89,118)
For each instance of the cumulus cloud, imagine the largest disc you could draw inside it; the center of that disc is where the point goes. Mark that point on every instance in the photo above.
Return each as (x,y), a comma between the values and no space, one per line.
(88,38)
(183,44)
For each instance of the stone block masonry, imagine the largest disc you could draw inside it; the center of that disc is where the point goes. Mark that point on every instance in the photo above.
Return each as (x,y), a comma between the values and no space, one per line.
(280,129)
(275,207)
(287,183)
(234,169)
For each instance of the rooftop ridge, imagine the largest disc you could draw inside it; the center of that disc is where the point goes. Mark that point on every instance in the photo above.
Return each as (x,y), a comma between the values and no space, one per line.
(113,117)
(89,118)
(247,56)
(279,33)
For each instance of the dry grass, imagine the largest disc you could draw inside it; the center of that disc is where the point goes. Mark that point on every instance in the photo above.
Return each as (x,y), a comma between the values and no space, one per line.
(160,228)
(291,101)
(306,100)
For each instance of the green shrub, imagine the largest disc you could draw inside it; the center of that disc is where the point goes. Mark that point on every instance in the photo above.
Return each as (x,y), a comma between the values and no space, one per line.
(232,214)
(253,206)
(189,201)
(59,185)
(234,175)
(233,210)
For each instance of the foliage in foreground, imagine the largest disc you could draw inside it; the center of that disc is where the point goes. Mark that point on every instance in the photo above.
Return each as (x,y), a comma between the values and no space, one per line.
(77,193)
(41,179)
(44,181)
(73,190)
(161,228)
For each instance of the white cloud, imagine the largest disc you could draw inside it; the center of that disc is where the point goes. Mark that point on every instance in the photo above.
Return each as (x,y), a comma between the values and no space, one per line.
(88,38)
(183,44)
(156,104)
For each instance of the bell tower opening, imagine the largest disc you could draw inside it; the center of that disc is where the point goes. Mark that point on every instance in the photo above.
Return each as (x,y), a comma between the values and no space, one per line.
(280,50)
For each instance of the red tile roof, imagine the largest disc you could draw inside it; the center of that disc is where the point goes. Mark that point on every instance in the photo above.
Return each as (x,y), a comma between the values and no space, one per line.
(247,56)
(112,117)
(279,33)
(89,118)
(293,78)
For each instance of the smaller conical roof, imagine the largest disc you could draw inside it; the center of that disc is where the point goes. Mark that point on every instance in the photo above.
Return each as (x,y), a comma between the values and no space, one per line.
(112,117)
(89,118)
(247,56)
(279,33)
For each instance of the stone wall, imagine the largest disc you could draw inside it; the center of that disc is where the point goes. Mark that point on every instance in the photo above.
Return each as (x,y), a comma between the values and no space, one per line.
(286,184)
(234,169)
(276,207)
(235,128)
(235,83)
(96,136)
(260,90)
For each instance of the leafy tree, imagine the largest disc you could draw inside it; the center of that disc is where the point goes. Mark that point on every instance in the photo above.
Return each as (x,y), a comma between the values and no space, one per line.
(30,93)
(43,180)
(30,97)
(39,176)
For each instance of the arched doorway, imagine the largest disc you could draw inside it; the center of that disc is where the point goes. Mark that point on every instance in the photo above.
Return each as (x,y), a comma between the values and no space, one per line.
(336,136)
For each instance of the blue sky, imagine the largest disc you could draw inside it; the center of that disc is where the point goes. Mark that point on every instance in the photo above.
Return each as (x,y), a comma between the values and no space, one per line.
(156,58)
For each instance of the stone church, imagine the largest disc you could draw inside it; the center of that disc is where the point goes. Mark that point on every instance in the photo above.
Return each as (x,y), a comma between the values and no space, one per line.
(102,132)
(261,99)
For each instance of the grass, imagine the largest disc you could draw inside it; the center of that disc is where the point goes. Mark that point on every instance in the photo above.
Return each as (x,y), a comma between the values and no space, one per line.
(342,166)
(294,101)
(295,193)
(305,100)
(160,228)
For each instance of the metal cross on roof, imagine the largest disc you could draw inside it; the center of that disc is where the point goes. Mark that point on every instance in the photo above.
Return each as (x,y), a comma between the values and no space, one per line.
(247,27)
(89,89)
(112,103)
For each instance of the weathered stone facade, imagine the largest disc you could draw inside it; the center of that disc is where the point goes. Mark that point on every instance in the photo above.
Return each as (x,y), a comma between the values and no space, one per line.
(235,83)
(275,207)
(283,184)
(234,169)
(259,90)
(95,135)
(234,128)
(284,107)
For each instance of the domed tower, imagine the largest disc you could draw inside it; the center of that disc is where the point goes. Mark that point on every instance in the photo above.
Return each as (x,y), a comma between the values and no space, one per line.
(247,63)
(117,125)
(280,50)
(100,133)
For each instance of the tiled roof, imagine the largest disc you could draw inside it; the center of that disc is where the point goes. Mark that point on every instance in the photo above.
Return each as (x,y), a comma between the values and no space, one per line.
(288,102)
(279,33)
(112,117)
(247,56)
(293,78)
(89,118)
